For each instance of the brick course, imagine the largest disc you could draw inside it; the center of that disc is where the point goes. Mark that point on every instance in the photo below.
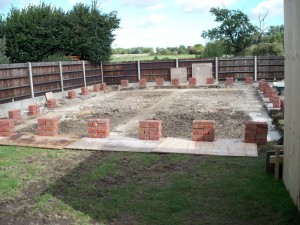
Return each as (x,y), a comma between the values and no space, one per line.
(51,103)
(276,101)
(71,94)
(192,81)
(7,127)
(102,86)
(98,128)
(150,129)
(204,130)
(34,110)
(84,91)
(229,80)
(15,115)
(142,83)
(249,80)
(256,132)
(124,83)
(159,81)
(261,85)
(96,87)
(210,80)
(48,126)
(175,82)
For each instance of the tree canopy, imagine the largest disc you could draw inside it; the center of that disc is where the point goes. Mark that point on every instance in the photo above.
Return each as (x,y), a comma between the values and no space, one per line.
(39,31)
(235,30)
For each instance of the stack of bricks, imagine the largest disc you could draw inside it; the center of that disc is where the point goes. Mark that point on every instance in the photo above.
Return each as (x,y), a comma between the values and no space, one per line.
(175,82)
(159,81)
(210,80)
(204,130)
(51,103)
(34,110)
(15,115)
(84,91)
(124,83)
(249,80)
(48,126)
(256,132)
(98,128)
(261,85)
(229,80)
(150,129)
(72,94)
(192,81)
(142,83)
(7,127)
(267,90)
(96,87)
(276,101)
(102,86)
(273,93)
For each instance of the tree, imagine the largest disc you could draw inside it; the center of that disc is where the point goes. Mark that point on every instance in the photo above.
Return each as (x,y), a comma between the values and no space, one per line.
(235,30)
(3,58)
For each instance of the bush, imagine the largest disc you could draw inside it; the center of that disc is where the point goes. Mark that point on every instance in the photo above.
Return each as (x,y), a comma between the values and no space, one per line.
(56,58)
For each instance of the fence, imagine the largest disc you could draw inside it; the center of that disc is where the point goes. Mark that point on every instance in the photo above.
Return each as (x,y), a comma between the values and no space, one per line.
(25,80)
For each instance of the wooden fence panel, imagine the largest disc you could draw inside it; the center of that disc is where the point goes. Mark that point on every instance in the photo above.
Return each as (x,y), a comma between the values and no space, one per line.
(239,68)
(115,72)
(150,70)
(270,67)
(73,75)
(93,73)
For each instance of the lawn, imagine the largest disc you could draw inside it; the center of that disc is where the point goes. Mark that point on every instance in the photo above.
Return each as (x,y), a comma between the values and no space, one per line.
(80,187)
(128,57)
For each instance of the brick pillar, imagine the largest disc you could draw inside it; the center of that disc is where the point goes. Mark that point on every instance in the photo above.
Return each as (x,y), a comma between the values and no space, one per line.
(276,101)
(210,80)
(51,103)
(266,86)
(261,85)
(150,129)
(256,132)
(48,126)
(192,81)
(204,130)
(273,93)
(7,127)
(159,81)
(267,91)
(124,83)
(71,94)
(102,86)
(34,110)
(142,83)
(84,91)
(96,87)
(249,80)
(98,128)
(229,80)
(15,115)
(175,82)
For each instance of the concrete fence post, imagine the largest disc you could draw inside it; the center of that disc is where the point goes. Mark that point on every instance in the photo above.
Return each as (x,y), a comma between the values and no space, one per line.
(139,69)
(255,68)
(102,76)
(83,70)
(61,77)
(217,69)
(31,79)
(177,63)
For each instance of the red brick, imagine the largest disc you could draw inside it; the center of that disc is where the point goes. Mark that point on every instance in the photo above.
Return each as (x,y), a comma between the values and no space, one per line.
(96,87)
(210,80)
(124,83)
(98,128)
(142,83)
(150,129)
(102,86)
(51,103)
(34,110)
(192,81)
(84,91)
(15,115)
(249,80)
(71,94)
(256,132)
(175,82)
(229,80)
(159,81)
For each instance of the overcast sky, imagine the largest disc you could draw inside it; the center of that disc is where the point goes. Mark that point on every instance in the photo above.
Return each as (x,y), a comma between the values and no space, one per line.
(154,23)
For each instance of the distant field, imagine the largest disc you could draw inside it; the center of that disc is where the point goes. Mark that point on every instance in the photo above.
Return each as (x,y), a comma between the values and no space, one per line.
(134,57)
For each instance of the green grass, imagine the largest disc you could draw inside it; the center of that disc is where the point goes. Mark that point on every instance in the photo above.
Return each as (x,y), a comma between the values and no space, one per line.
(141,188)
(150,57)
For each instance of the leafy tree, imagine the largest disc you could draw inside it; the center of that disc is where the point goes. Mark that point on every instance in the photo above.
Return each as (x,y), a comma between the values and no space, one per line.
(3,58)
(197,49)
(235,30)
(214,49)
(265,49)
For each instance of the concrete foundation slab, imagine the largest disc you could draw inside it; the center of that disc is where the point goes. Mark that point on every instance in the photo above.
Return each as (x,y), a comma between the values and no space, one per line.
(180,73)
(202,71)
(221,147)
(31,140)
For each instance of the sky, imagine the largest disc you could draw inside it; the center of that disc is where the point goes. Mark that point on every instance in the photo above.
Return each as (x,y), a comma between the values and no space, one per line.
(169,23)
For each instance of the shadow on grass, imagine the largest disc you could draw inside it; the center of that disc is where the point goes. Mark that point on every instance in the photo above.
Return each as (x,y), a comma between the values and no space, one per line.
(137,188)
